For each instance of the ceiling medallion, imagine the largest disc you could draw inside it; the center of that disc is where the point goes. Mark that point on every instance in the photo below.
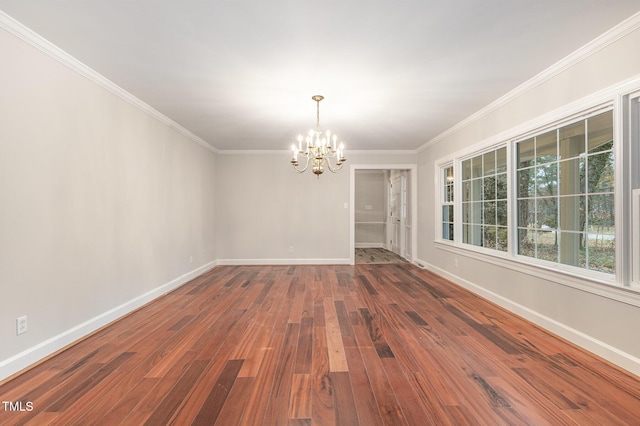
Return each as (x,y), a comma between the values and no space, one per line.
(319,148)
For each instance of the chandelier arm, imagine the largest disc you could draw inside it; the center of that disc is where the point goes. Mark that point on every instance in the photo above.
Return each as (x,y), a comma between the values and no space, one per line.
(331,168)
(303,169)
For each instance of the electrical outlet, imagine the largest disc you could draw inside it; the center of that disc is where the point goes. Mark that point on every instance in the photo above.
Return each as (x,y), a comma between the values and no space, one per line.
(190,259)
(291,249)
(21,324)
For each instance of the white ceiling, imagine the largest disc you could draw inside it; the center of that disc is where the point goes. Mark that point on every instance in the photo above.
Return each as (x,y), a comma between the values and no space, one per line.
(395,74)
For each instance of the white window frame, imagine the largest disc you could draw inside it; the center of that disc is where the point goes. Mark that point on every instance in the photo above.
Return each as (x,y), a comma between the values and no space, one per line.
(632,145)
(624,285)
(440,191)
(509,141)
(458,210)
(575,118)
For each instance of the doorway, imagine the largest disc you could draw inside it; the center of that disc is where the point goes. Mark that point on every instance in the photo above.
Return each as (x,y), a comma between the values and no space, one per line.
(383,213)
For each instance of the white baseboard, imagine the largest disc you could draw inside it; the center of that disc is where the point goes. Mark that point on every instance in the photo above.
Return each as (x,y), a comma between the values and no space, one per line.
(345,261)
(24,359)
(370,245)
(602,349)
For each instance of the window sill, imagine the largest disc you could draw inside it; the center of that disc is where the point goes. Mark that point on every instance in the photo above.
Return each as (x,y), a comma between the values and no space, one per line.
(604,286)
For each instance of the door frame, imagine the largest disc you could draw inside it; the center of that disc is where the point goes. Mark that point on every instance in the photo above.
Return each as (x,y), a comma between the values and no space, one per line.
(413,176)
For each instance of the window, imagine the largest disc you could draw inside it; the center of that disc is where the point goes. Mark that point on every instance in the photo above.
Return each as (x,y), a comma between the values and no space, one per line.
(633,160)
(565,195)
(447,203)
(484,200)
(563,198)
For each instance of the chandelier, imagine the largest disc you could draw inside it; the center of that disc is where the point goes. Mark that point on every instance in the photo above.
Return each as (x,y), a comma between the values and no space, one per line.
(319,148)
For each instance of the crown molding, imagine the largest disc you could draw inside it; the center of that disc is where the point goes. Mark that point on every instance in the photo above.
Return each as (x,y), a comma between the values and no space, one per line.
(383,152)
(616,33)
(19,30)
(253,151)
(288,151)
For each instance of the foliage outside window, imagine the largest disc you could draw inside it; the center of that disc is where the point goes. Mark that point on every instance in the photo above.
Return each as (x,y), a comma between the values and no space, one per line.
(565,199)
(447,203)
(484,200)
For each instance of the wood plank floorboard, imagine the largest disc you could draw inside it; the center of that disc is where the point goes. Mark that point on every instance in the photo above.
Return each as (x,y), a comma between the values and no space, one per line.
(377,255)
(370,344)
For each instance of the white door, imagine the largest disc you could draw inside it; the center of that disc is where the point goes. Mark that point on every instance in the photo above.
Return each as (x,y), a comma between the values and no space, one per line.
(396,215)
(406,217)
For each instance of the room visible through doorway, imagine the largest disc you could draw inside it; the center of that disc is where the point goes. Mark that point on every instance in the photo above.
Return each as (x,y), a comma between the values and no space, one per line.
(382,222)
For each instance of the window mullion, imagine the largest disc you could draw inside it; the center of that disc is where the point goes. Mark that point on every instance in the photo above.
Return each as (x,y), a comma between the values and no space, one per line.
(457,201)
(512,200)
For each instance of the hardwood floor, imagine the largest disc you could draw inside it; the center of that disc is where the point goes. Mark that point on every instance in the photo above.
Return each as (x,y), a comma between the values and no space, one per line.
(365,344)
(377,255)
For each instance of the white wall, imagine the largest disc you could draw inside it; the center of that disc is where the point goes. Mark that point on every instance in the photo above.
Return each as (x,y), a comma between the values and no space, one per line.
(598,322)
(265,208)
(102,206)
